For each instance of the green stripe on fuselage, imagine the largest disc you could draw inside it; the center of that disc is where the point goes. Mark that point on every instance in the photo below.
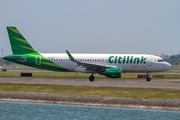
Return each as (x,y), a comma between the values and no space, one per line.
(30,57)
(32,62)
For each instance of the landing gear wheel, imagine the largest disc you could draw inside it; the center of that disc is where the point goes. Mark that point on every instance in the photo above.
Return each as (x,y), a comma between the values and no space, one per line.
(148,79)
(91,78)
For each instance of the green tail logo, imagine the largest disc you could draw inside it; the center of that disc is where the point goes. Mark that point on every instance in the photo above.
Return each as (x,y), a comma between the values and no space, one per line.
(19,44)
(23,53)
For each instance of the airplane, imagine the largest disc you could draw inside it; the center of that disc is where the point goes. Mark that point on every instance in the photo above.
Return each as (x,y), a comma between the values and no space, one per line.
(110,65)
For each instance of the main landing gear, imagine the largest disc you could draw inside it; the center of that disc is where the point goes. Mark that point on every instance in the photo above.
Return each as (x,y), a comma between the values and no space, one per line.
(91,78)
(148,78)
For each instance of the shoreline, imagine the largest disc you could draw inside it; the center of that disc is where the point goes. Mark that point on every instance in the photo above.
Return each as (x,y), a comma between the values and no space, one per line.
(94,104)
(158,104)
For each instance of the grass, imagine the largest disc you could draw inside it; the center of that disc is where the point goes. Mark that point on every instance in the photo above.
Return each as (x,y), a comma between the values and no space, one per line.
(173,71)
(87,90)
(97,91)
(19,67)
(176,66)
(82,76)
(62,75)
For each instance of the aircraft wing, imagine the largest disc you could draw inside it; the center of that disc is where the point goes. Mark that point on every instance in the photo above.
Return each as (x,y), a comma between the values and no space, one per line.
(90,66)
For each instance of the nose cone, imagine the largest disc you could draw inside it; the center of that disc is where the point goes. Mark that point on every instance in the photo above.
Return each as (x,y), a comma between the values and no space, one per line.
(168,66)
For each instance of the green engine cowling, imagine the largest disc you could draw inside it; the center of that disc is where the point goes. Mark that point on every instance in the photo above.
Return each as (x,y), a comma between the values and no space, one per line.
(113,72)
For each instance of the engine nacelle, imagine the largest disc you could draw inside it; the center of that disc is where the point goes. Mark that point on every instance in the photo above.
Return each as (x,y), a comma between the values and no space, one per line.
(113,72)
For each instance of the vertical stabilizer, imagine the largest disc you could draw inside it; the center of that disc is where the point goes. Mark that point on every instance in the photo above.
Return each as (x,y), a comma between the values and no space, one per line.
(19,44)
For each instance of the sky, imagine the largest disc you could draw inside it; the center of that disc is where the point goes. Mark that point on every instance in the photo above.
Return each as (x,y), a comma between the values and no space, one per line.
(94,26)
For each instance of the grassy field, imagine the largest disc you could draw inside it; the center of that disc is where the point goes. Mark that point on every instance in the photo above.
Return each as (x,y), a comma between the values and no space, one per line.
(175,66)
(82,76)
(173,70)
(97,91)
(87,90)
(19,67)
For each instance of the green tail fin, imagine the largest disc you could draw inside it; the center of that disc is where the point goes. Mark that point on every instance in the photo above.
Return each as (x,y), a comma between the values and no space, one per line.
(19,44)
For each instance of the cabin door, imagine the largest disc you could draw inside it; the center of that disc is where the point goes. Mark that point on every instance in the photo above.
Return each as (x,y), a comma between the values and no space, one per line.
(149,61)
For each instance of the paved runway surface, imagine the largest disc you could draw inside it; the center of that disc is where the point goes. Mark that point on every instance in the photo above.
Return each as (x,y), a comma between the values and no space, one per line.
(130,84)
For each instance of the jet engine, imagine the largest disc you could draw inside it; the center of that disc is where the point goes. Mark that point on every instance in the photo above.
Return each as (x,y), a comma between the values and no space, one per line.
(113,72)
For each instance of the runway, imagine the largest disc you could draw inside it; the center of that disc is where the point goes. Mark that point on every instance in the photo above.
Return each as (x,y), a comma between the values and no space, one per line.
(160,84)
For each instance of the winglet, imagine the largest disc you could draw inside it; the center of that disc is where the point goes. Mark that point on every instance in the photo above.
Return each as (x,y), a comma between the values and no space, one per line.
(70,56)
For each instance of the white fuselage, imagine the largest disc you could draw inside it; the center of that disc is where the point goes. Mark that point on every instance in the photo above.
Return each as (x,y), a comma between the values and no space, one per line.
(128,62)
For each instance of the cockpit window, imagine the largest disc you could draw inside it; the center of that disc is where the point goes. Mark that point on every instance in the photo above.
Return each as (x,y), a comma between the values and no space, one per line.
(161,60)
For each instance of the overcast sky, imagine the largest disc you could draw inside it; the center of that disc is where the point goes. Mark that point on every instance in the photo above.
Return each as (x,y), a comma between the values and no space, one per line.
(94,26)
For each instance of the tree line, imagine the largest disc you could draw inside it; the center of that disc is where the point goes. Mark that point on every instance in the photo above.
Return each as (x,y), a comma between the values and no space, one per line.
(173,59)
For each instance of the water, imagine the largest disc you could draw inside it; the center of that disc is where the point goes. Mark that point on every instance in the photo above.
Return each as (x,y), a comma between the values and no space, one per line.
(41,111)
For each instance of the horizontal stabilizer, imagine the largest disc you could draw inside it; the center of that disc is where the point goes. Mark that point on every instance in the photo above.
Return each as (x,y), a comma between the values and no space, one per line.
(22,59)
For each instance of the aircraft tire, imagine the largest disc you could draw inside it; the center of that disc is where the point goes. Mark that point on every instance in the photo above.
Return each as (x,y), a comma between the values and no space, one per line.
(148,79)
(91,78)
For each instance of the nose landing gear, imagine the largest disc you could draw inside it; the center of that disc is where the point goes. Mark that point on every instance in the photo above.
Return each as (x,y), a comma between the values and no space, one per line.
(148,78)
